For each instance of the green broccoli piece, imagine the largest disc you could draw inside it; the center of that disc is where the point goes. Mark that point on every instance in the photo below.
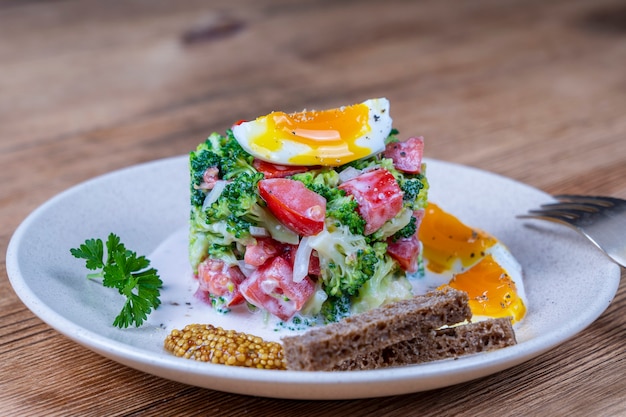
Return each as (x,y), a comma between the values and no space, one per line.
(345,210)
(407,231)
(323,181)
(347,260)
(199,161)
(235,160)
(335,308)
(224,253)
(356,275)
(387,284)
(223,153)
(237,198)
(415,188)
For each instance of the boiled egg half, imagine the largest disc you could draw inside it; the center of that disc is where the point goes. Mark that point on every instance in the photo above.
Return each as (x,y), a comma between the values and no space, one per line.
(473,261)
(318,137)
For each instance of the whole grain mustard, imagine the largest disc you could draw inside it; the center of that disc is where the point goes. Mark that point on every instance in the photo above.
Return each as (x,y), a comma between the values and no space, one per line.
(207,343)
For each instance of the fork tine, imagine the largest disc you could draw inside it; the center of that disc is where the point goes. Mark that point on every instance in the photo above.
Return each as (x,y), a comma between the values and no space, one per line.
(571,207)
(564,212)
(601,201)
(560,216)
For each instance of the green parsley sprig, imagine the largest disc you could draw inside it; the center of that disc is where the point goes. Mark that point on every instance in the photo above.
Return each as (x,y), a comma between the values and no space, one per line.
(127,272)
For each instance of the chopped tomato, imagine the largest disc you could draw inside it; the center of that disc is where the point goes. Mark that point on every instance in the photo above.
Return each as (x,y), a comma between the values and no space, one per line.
(271,287)
(294,205)
(221,280)
(314,265)
(407,155)
(405,251)
(264,249)
(379,197)
(271,170)
(210,177)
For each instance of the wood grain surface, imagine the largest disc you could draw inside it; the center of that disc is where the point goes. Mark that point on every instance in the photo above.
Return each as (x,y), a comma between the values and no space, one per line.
(533,90)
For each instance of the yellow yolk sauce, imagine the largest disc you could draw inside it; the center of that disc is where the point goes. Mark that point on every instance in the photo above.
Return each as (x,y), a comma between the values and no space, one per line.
(447,241)
(476,262)
(490,289)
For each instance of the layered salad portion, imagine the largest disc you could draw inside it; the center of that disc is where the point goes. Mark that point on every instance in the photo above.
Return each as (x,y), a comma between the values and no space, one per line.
(310,215)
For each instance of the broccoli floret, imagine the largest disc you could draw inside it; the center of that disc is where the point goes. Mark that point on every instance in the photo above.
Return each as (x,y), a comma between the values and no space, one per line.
(224,253)
(336,308)
(345,210)
(199,161)
(415,189)
(339,206)
(387,284)
(322,181)
(237,198)
(357,276)
(407,231)
(223,153)
(235,160)
(203,235)
(347,261)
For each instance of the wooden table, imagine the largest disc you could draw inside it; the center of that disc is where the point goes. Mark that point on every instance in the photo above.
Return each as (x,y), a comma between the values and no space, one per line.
(532,90)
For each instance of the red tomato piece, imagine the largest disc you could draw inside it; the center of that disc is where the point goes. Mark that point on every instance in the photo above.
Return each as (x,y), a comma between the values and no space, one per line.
(379,197)
(271,287)
(277,171)
(261,251)
(294,205)
(407,155)
(221,280)
(314,265)
(405,251)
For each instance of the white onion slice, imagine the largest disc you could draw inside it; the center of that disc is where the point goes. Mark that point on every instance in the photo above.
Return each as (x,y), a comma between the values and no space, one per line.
(246,269)
(302,259)
(259,231)
(214,194)
(348,174)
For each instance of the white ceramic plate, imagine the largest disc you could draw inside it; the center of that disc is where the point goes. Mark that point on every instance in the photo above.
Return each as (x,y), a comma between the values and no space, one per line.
(568,282)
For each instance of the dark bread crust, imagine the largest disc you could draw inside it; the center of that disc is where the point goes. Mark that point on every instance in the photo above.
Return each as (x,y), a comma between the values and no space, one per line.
(327,347)
(434,345)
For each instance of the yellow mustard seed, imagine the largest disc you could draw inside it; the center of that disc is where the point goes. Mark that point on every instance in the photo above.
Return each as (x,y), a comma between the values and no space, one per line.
(207,343)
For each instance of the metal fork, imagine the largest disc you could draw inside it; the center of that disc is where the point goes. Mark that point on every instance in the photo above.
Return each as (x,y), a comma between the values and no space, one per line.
(601,219)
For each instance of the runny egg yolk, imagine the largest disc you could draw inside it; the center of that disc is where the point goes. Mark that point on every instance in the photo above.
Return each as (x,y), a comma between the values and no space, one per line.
(477,263)
(331,134)
(318,137)
(490,289)
(448,241)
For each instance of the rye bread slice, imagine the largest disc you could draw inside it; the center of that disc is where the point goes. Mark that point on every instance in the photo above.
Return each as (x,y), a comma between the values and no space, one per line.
(326,347)
(439,344)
